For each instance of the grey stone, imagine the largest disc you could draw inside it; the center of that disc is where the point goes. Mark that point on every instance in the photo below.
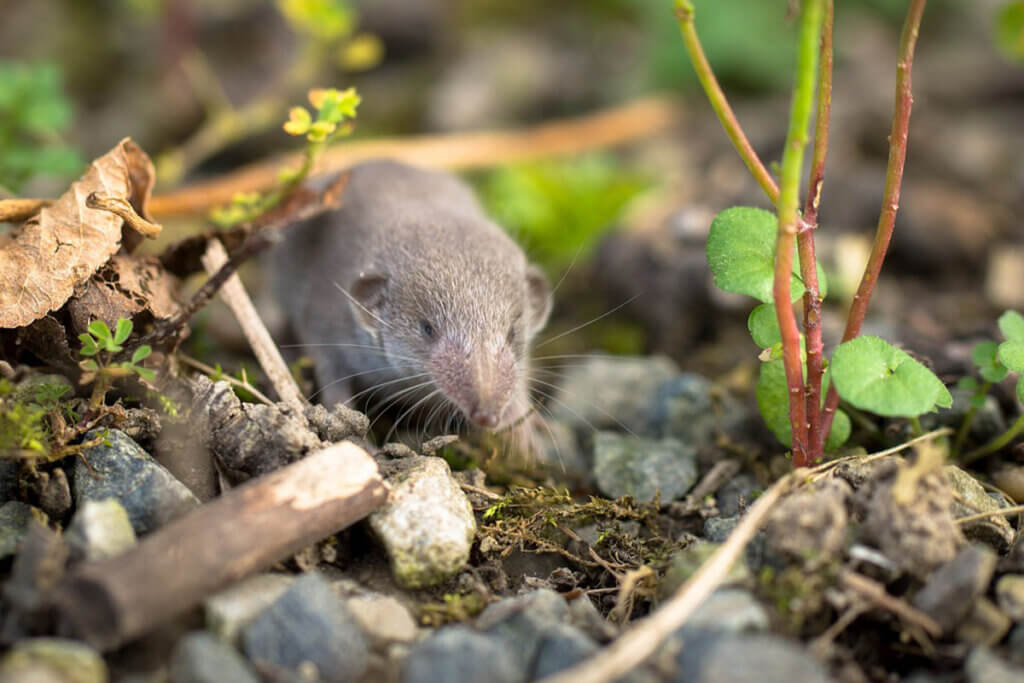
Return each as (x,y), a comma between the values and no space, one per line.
(228,611)
(952,589)
(994,531)
(684,563)
(737,494)
(626,465)
(384,619)
(728,609)
(584,616)
(717,529)
(983,666)
(338,423)
(611,392)
(14,521)
(308,626)
(427,524)
(719,657)
(520,623)
(200,658)
(1010,595)
(69,661)
(682,408)
(459,653)
(562,646)
(99,529)
(122,470)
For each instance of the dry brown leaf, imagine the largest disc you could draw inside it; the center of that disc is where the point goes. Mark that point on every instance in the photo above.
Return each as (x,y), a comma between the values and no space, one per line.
(57,250)
(121,288)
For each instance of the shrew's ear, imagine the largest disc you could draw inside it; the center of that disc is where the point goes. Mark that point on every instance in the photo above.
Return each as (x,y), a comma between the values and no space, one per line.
(538,298)
(366,296)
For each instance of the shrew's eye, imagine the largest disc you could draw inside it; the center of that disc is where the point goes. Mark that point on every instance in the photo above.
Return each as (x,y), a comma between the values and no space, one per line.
(511,335)
(427,329)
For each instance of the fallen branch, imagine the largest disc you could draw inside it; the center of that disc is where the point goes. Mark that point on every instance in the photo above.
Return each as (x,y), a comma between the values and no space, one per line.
(606,128)
(267,353)
(642,640)
(249,528)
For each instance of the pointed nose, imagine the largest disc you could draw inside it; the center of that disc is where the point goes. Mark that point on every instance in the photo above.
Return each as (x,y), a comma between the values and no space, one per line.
(484,417)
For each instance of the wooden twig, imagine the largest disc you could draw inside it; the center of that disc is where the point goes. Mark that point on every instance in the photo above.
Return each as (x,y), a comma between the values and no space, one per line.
(109,602)
(123,209)
(1004,512)
(18,210)
(255,331)
(875,593)
(617,125)
(642,640)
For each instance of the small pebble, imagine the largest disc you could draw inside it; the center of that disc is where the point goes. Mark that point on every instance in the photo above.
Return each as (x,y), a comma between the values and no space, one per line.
(69,661)
(1010,595)
(228,611)
(99,529)
(626,465)
(200,658)
(308,627)
(460,654)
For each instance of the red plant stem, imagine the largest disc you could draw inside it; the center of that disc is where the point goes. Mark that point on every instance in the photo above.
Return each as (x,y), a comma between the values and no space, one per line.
(805,245)
(684,14)
(891,196)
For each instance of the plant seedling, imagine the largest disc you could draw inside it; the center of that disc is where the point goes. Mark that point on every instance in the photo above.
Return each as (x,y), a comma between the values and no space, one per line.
(100,345)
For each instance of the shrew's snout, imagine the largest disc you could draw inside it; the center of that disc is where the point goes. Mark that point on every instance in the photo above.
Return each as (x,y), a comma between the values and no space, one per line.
(479,383)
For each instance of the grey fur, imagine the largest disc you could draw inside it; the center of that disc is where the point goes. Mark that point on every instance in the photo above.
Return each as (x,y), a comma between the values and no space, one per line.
(414,252)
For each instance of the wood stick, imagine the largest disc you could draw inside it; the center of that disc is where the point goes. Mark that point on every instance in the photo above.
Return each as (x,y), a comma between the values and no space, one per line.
(457,151)
(255,331)
(109,602)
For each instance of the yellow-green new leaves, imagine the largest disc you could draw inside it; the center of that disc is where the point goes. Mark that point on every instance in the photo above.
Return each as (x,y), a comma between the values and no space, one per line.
(1010,30)
(332,106)
(741,254)
(873,375)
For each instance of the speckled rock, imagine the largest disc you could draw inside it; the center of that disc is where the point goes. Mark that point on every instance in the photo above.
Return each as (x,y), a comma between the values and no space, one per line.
(994,531)
(561,646)
(14,521)
(308,626)
(683,408)
(427,524)
(520,623)
(69,661)
(626,465)
(100,528)
(728,609)
(201,658)
(148,492)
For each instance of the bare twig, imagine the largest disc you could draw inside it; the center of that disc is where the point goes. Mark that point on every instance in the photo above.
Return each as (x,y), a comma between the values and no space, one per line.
(122,208)
(1004,512)
(108,602)
(607,128)
(642,640)
(255,331)
(891,195)
(203,367)
(876,593)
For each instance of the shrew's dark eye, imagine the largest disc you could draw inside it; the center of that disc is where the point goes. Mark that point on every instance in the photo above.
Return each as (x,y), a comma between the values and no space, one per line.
(427,329)
(511,338)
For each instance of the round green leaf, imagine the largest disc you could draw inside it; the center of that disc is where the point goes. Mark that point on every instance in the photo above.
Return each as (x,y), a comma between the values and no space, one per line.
(99,329)
(839,433)
(876,376)
(122,330)
(741,253)
(764,326)
(1011,354)
(1011,324)
(141,353)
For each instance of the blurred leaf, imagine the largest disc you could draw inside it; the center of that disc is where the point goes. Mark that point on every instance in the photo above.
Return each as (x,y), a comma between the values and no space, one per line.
(763,324)
(364,51)
(560,209)
(985,356)
(1011,324)
(325,20)
(1010,30)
